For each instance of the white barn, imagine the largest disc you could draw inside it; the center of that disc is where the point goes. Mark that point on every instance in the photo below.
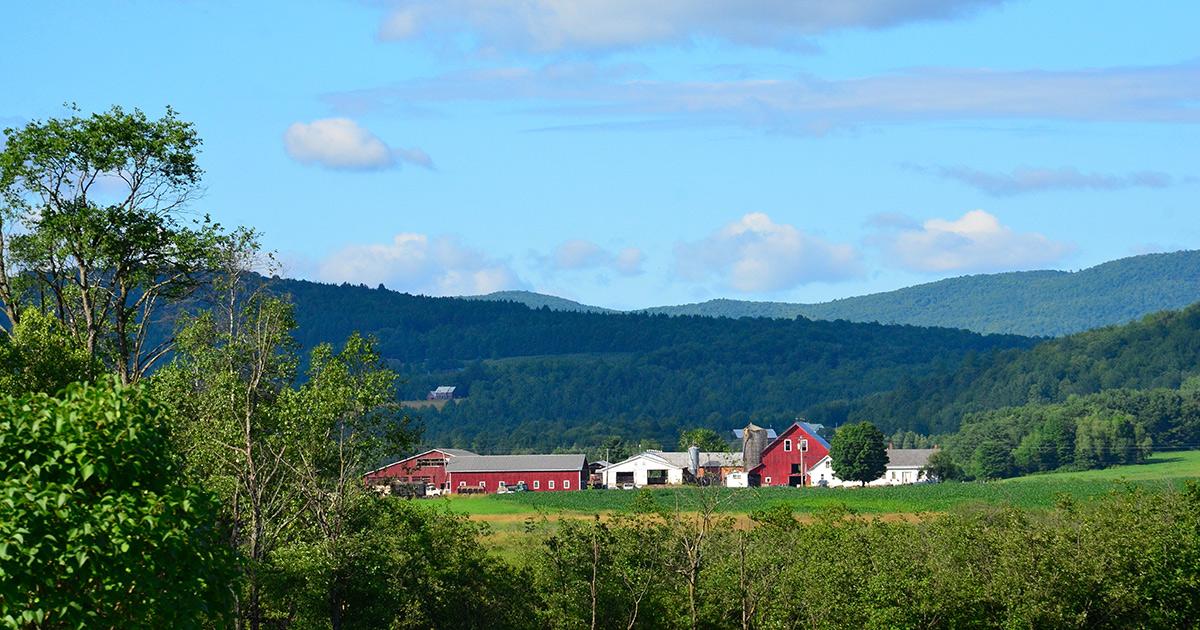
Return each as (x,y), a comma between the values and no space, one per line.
(669,468)
(905,466)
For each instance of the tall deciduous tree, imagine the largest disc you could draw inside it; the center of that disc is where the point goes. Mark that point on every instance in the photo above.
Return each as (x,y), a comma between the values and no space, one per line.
(94,228)
(706,439)
(858,453)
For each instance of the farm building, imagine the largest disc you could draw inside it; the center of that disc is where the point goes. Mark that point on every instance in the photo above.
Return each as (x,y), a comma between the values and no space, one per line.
(490,473)
(424,468)
(785,461)
(445,392)
(661,468)
(905,466)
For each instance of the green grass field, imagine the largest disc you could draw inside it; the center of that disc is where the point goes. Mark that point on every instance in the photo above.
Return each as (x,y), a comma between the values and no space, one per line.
(1037,491)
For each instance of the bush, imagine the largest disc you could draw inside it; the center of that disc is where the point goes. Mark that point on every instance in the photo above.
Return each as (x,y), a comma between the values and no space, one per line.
(96,528)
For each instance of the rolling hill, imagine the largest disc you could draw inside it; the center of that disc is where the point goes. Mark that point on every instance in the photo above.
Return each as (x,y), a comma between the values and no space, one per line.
(1031,303)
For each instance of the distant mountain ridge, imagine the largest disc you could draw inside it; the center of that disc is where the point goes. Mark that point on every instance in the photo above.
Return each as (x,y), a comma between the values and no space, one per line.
(1031,303)
(538,300)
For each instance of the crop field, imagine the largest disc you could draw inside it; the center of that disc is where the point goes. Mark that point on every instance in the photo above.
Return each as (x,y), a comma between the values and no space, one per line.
(1033,492)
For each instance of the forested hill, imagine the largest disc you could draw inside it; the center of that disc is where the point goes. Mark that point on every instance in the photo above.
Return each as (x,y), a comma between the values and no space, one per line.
(538,300)
(539,378)
(1035,303)
(1160,351)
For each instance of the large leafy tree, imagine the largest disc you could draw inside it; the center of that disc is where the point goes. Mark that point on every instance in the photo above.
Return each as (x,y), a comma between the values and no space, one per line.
(94,228)
(859,453)
(98,527)
(707,439)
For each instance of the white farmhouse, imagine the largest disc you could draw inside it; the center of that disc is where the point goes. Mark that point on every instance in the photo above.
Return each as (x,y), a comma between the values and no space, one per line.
(905,466)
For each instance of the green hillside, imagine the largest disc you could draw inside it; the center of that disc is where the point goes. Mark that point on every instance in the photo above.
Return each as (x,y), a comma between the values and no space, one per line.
(1161,351)
(539,300)
(539,379)
(1034,303)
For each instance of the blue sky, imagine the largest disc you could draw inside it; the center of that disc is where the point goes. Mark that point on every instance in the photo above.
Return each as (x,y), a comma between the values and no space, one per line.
(630,154)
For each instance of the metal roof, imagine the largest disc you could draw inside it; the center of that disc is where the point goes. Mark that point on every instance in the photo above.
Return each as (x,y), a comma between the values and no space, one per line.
(909,457)
(445,389)
(812,430)
(523,463)
(452,452)
(713,459)
(771,434)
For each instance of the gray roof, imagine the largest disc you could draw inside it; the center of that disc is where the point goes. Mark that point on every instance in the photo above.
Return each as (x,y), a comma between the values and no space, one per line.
(455,452)
(445,389)
(523,463)
(714,459)
(909,457)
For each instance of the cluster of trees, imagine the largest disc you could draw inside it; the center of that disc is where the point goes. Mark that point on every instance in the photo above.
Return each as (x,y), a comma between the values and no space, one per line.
(198,478)
(1113,427)
(1074,567)
(1159,352)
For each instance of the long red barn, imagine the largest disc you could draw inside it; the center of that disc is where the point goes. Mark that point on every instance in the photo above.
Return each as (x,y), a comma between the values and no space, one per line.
(488,473)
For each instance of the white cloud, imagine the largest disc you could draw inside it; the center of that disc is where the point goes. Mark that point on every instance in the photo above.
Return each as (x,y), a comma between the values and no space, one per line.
(623,94)
(754,255)
(579,254)
(417,263)
(342,144)
(599,25)
(1027,180)
(975,242)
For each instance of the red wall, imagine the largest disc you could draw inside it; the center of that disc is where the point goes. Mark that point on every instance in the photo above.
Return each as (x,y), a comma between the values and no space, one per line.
(406,469)
(777,463)
(493,479)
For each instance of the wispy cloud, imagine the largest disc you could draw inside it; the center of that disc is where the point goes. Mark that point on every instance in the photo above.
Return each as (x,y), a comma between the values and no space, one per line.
(342,144)
(580,254)
(805,104)
(1029,180)
(542,26)
(974,242)
(757,255)
(418,263)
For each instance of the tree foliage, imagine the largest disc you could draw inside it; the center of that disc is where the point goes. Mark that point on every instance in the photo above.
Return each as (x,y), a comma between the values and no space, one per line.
(858,453)
(98,525)
(707,440)
(93,228)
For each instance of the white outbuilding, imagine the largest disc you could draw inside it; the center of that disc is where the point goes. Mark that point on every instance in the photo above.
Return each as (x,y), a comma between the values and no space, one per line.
(648,468)
(905,466)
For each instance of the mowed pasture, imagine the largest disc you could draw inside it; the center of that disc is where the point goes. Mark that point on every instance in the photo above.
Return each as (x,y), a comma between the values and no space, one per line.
(1031,492)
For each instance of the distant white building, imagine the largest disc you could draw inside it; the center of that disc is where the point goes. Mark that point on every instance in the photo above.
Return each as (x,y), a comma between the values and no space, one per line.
(905,466)
(668,468)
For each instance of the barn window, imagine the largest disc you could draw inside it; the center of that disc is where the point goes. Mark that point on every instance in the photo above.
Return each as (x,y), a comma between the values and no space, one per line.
(537,485)
(482,484)
(551,482)
(787,446)
(566,484)
(462,484)
(803,446)
(768,481)
(503,485)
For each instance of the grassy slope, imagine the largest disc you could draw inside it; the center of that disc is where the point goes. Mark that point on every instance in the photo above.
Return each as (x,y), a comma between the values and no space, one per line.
(1038,491)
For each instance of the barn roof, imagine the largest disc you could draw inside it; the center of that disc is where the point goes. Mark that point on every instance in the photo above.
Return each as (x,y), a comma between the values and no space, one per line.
(811,429)
(708,459)
(452,452)
(523,463)
(445,389)
(771,434)
(909,457)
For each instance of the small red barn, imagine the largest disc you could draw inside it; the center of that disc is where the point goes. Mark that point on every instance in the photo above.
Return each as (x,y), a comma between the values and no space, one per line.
(423,468)
(489,473)
(787,460)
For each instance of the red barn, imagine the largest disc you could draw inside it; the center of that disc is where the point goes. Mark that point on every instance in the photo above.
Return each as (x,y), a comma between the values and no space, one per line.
(489,473)
(787,460)
(423,468)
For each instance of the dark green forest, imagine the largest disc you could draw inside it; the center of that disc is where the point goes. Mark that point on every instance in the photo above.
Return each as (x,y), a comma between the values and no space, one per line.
(540,379)
(1160,351)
